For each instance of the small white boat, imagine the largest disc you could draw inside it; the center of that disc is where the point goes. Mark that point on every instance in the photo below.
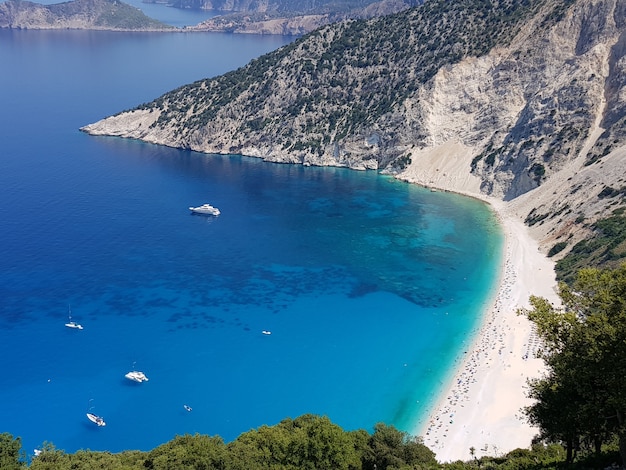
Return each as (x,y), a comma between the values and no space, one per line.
(96,419)
(73,324)
(136,376)
(187,407)
(266,332)
(205,209)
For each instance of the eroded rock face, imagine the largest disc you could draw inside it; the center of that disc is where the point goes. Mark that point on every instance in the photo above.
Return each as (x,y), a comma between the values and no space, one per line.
(550,102)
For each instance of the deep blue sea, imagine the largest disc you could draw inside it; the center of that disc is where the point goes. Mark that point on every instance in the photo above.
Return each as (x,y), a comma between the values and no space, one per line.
(370,287)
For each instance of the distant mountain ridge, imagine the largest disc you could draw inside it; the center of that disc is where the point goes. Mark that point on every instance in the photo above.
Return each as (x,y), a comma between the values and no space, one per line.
(288,19)
(78,14)
(296,7)
(522,100)
(258,17)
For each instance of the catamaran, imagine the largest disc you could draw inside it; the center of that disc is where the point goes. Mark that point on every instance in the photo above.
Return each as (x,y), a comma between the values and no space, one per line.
(136,376)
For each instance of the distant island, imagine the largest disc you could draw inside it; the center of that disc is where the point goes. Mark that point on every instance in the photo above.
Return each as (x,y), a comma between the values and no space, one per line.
(111,15)
(287,18)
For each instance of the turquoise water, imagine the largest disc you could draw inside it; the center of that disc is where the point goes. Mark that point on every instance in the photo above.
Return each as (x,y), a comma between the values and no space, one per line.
(369,286)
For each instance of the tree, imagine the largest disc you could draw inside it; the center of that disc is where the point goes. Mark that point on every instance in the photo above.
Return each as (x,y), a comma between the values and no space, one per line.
(193,452)
(584,393)
(11,455)
(390,448)
(307,442)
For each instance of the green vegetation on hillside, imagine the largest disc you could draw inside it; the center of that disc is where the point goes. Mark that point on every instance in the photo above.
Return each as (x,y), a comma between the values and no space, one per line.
(107,14)
(344,79)
(606,248)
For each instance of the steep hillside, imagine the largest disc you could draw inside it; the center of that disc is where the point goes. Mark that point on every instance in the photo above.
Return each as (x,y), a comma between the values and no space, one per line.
(522,100)
(78,14)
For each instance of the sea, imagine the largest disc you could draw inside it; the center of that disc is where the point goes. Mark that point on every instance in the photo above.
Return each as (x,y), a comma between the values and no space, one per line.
(342,293)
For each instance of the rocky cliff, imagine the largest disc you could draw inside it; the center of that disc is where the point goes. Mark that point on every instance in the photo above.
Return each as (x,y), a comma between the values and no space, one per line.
(522,100)
(78,14)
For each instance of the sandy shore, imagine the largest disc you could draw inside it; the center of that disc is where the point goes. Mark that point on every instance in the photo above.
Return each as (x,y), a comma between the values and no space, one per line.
(481,407)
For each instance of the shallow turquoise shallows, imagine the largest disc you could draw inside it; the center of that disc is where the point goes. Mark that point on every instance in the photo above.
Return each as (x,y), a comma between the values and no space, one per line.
(320,290)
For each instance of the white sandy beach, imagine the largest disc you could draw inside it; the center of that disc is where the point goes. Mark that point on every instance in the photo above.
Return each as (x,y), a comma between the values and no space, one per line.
(481,407)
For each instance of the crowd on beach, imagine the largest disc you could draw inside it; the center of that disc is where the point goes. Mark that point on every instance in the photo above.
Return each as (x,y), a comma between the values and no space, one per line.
(482,406)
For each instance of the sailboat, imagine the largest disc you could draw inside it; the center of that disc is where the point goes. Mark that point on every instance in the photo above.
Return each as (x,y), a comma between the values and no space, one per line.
(70,323)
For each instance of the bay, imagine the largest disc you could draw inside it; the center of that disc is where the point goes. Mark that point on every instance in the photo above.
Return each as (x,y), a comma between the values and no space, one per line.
(371,288)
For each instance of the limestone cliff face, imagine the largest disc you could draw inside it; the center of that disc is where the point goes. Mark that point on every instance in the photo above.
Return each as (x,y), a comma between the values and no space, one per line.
(536,117)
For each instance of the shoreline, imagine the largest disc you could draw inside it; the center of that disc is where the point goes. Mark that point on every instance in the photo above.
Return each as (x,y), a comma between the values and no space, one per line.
(481,405)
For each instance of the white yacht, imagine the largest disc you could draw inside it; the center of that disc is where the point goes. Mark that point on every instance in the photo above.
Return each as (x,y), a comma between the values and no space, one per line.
(205,209)
(73,324)
(96,419)
(136,376)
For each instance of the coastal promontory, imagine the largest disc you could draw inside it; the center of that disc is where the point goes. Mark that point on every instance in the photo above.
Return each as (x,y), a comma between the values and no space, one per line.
(518,100)
(77,14)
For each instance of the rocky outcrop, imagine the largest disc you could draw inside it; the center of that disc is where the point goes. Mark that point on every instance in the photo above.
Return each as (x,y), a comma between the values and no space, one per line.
(531,111)
(77,14)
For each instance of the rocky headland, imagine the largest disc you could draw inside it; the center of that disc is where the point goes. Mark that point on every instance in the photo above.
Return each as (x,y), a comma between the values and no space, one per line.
(523,101)
(78,14)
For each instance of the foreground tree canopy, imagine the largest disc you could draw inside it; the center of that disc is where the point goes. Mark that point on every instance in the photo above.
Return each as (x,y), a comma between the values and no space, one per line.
(582,399)
(307,442)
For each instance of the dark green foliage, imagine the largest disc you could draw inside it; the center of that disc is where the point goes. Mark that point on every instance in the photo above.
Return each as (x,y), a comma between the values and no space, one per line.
(402,162)
(55,459)
(11,456)
(108,14)
(605,248)
(538,457)
(608,192)
(390,448)
(197,451)
(308,442)
(537,170)
(557,248)
(534,217)
(582,399)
